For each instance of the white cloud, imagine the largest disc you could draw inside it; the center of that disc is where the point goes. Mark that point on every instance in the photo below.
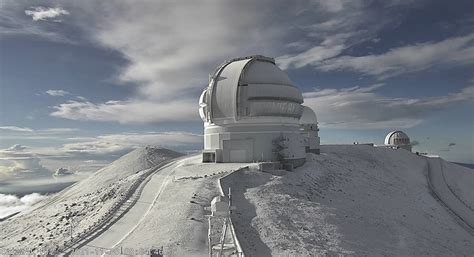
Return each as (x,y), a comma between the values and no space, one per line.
(337,26)
(313,55)
(23,133)
(63,172)
(172,47)
(132,111)
(12,24)
(17,162)
(363,107)
(10,204)
(15,128)
(120,143)
(412,58)
(16,147)
(53,92)
(41,13)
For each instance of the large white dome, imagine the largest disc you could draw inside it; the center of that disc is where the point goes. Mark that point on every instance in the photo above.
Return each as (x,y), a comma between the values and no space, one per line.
(250,90)
(397,138)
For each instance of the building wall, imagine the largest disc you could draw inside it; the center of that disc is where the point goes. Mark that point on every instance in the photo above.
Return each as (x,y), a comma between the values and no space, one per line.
(261,144)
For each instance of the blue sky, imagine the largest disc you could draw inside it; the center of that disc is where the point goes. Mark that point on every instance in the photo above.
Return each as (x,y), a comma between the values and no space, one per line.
(82,82)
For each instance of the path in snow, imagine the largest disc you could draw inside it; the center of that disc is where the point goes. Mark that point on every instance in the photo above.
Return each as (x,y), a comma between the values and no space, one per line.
(439,185)
(125,224)
(168,214)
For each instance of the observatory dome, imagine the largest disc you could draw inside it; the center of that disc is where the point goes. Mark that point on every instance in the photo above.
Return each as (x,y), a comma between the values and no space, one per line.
(309,126)
(398,139)
(250,90)
(308,116)
(251,112)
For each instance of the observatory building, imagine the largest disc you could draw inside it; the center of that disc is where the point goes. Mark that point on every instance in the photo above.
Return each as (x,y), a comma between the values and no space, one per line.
(252,112)
(398,139)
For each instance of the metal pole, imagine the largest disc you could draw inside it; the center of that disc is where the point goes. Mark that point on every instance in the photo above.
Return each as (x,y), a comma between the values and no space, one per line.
(209,236)
(223,237)
(230,201)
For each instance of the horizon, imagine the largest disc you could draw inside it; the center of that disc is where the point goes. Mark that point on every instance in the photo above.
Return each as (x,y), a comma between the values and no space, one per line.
(84,83)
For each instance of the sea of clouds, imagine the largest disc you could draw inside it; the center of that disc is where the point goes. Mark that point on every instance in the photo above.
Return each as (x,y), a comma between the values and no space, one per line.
(10,204)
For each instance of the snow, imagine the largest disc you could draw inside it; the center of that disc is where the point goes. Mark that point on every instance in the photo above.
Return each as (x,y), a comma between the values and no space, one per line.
(170,212)
(461,181)
(453,194)
(350,200)
(48,225)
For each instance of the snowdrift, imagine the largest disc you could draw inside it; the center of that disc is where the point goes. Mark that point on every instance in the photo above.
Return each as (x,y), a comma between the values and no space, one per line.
(351,200)
(74,210)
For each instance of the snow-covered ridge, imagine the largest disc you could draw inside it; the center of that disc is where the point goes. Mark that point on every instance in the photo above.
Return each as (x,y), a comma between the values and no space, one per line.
(81,205)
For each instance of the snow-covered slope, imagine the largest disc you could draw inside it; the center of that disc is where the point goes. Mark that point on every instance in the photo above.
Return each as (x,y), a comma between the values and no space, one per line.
(461,182)
(351,199)
(77,207)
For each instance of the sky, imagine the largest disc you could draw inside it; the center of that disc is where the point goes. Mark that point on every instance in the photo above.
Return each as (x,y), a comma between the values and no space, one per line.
(83,82)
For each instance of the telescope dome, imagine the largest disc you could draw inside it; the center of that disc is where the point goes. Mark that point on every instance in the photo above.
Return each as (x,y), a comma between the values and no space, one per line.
(308,116)
(398,139)
(248,89)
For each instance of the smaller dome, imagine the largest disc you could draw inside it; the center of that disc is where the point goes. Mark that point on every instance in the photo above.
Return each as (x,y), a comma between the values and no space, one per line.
(397,138)
(308,116)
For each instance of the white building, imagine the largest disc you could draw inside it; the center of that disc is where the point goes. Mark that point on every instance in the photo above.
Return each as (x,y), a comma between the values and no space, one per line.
(309,125)
(398,139)
(251,112)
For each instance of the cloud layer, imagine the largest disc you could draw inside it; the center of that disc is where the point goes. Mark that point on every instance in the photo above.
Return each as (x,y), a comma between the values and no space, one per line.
(131,111)
(364,107)
(18,162)
(406,59)
(117,144)
(10,204)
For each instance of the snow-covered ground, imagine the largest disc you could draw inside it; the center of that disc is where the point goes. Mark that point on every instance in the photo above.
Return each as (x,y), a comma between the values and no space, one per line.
(455,194)
(350,200)
(169,214)
(460,181)
(50,223)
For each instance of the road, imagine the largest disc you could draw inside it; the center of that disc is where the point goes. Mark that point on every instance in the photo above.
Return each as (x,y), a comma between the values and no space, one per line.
(120,230)
(169,213)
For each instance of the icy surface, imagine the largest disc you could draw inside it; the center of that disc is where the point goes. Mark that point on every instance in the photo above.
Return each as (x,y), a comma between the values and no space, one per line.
(350,200)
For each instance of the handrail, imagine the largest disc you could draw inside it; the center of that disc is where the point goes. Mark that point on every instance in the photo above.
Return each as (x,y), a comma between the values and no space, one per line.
(240,251)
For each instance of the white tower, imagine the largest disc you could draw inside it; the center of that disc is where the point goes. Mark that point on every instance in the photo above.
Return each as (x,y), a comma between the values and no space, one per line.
(398,139)
(251,112)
